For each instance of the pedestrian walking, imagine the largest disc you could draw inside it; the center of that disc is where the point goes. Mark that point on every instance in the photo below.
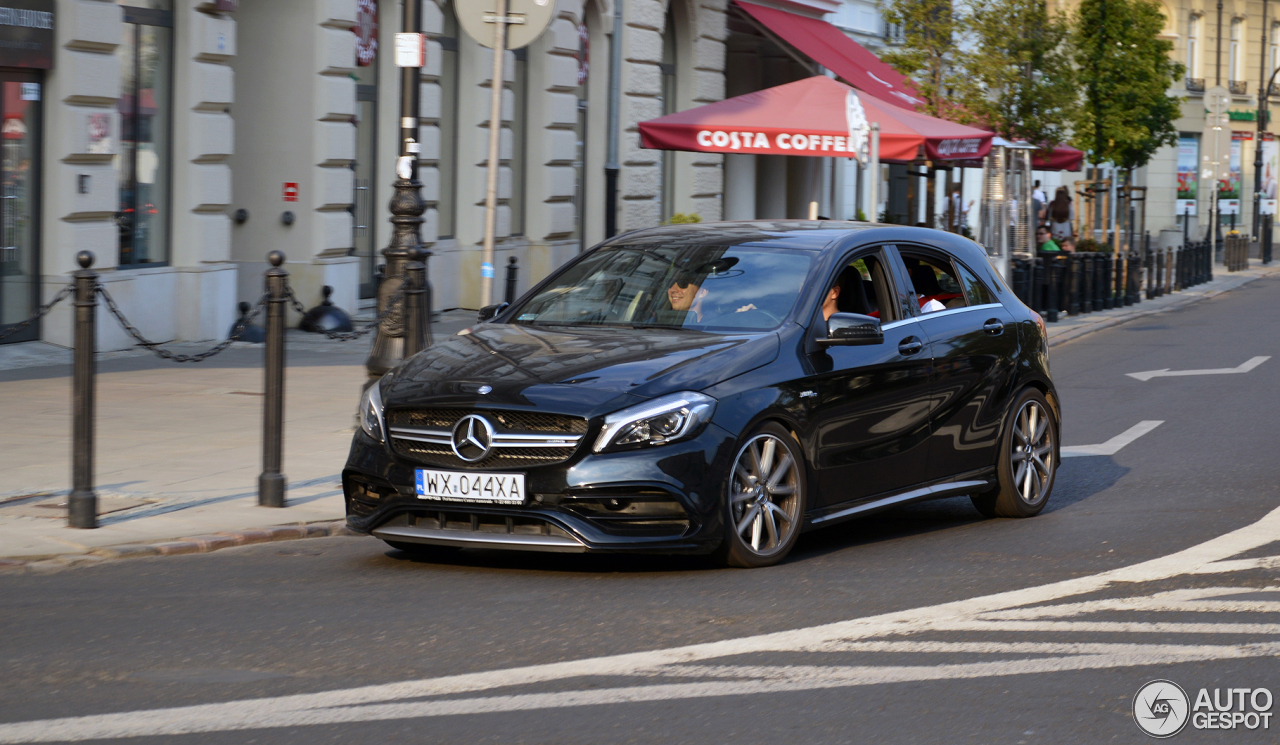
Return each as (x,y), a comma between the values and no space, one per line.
(1062,214)
(1038,203)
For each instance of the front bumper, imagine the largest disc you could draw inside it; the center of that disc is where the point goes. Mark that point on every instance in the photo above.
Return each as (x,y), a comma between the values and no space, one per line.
(662,500)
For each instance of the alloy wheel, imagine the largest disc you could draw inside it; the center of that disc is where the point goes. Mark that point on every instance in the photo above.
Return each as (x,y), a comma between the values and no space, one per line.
(765,495)
(1032,453)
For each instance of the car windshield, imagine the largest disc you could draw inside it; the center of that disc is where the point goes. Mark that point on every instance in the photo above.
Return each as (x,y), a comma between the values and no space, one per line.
(704,287)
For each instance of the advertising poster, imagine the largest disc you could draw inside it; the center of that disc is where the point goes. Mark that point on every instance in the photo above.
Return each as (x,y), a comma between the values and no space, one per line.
(1230,188)
(1188,165)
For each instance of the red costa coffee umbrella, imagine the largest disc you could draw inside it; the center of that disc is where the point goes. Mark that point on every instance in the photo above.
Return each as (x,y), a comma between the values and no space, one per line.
(817,117)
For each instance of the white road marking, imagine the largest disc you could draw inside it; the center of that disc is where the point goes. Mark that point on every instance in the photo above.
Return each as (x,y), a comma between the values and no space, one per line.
(392,701)
(1112,446)
(1167,373)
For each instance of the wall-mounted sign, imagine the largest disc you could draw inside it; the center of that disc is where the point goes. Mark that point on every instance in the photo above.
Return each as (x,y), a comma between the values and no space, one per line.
(291,191)
(98,134)
(26,33)
(1267,206)
(1228,206)
(1186,207)
(411,50)
(366,31)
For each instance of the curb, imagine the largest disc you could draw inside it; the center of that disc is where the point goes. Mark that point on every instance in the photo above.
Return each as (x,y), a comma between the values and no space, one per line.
(199,544)
(1082,331)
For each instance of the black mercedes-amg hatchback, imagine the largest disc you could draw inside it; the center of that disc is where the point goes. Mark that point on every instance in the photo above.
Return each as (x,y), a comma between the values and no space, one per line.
(715,388)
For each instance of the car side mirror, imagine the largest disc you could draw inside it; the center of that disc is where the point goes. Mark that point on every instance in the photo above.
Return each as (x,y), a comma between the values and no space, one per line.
(852,330)
(490,311)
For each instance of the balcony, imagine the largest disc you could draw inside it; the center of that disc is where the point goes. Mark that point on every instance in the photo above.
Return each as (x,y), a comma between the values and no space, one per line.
(1238,87)
(1195,85)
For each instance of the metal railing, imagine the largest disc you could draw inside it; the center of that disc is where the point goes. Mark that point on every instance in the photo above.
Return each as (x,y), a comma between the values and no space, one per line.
(1054,283)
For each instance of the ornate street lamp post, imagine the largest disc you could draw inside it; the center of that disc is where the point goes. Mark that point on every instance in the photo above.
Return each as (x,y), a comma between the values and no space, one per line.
(406,217)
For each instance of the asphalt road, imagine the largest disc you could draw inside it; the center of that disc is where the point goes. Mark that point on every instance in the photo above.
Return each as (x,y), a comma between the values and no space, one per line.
(925,624)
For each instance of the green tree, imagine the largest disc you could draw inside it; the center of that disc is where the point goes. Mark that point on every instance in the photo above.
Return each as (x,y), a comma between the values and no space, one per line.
(1021,81)
(1125,72)
(931,34)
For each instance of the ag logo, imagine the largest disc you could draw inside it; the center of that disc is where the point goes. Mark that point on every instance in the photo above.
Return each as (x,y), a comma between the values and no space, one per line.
(1161,708)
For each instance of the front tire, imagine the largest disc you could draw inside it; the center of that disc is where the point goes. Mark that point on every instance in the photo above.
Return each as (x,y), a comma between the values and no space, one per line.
(1028,460)
(764,506)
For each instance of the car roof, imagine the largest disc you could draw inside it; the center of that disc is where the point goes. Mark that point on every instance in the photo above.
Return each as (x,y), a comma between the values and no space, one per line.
(811,235)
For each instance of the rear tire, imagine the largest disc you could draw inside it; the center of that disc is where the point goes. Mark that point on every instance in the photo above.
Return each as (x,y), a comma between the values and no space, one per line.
(764,503)
(1028,460)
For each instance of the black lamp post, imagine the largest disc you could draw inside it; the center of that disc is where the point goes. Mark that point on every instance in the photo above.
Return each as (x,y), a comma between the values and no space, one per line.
(406,217)
(1263,92)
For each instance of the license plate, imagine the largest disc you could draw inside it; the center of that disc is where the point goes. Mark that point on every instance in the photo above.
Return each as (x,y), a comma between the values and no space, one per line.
(490,488)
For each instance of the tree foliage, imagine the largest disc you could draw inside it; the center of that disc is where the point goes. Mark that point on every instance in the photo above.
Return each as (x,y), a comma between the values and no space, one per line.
(1125,72)
(1022,84)
(929,50)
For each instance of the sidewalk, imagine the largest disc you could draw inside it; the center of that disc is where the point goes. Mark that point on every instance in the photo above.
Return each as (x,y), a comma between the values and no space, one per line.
(178,448)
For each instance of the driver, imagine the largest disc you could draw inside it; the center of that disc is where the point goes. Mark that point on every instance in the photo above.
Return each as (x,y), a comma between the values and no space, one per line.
(686,293)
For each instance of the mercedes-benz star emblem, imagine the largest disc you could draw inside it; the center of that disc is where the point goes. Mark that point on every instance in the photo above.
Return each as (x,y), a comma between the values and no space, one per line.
(472,438)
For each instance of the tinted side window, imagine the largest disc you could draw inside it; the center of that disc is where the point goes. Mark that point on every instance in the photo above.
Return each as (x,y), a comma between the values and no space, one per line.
(934,282)
(977,292)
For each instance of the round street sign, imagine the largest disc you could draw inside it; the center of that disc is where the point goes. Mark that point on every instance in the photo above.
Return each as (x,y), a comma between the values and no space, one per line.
(1217,99)
(526,20)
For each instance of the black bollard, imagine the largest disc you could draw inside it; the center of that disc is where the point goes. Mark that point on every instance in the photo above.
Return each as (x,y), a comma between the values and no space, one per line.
(82,503)
(1210,253)
(272,482)
(512,270)
(1108,284)
(1051,293)
(1073,285)
(1086,283)
(415,291)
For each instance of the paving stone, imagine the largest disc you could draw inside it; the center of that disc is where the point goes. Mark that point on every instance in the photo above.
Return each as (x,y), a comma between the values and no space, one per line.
(128,551)
(172,548)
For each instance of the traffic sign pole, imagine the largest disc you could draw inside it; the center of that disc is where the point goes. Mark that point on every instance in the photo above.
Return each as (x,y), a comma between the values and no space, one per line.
(495,128)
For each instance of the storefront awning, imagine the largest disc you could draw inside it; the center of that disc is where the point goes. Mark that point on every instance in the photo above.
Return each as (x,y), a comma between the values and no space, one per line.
(817,117)
(829,47)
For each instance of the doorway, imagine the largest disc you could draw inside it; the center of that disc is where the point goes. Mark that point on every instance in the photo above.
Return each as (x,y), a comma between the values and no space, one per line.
(20,113)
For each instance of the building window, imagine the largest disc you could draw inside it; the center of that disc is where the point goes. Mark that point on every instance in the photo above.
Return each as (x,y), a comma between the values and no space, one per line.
(1193,47)
(146,115)
(1275,53)
(447,161)
(519,133)
(1237,32)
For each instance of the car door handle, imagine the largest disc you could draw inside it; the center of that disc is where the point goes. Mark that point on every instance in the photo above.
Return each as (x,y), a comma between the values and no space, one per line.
(993,326)
(909,346)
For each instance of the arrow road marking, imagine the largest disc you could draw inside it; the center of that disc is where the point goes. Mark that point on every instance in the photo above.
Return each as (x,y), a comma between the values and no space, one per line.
(1112,446)
(1009,624)
(1167,373)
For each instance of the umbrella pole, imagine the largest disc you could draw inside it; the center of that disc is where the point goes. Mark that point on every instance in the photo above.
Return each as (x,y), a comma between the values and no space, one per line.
(873,175)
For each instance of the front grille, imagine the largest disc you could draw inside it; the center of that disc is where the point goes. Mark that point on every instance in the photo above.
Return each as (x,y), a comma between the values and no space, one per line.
(522,439)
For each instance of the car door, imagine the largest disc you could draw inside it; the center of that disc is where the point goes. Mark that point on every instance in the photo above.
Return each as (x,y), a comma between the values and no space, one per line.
(872,415)
(974,345)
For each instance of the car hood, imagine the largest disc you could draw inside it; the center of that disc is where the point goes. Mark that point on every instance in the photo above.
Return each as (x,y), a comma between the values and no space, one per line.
(582,371)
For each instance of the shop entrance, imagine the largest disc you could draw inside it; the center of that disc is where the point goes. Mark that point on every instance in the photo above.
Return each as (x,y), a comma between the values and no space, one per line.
(20,108)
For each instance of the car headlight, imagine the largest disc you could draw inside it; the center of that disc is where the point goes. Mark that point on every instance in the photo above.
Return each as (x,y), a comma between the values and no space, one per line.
(657,422)
(371,411)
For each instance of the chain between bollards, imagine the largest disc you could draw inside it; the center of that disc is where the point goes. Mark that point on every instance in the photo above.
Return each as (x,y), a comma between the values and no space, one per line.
(271,483)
